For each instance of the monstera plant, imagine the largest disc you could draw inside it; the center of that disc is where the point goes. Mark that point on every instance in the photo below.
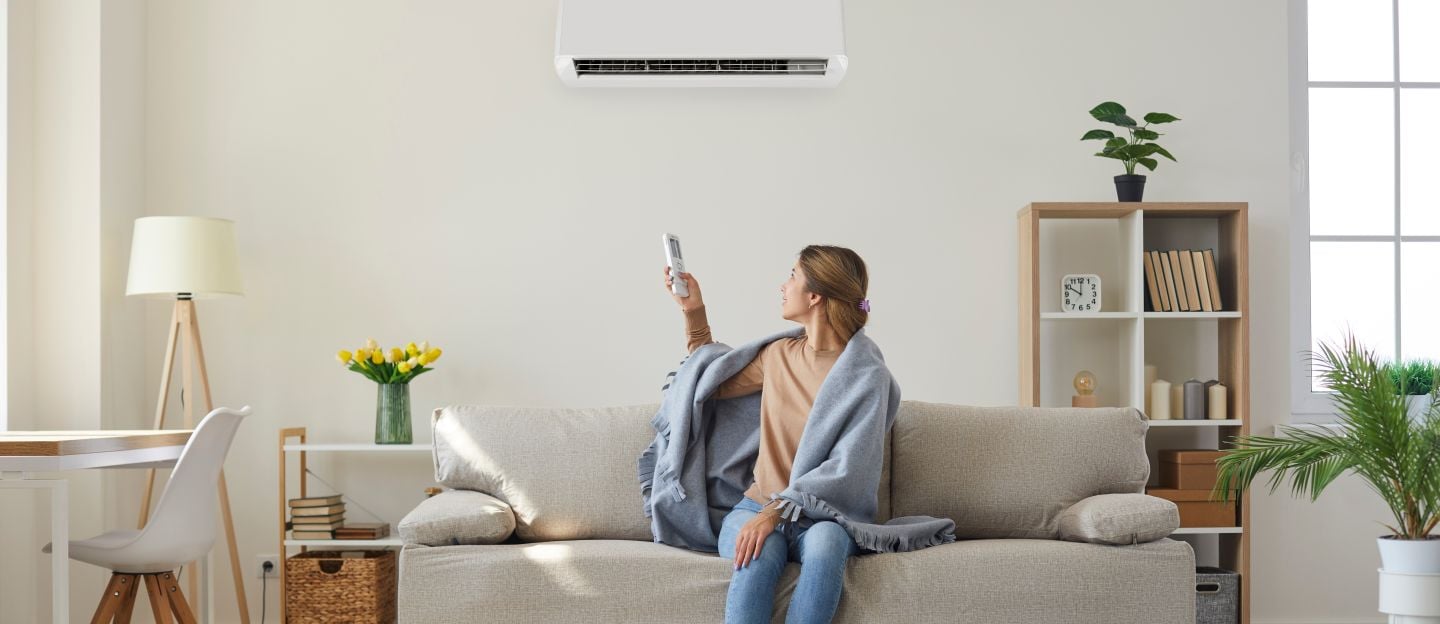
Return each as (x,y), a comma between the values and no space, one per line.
(1138,148)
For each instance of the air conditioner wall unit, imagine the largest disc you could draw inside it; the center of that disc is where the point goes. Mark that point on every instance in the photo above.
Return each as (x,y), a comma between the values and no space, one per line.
(681,43)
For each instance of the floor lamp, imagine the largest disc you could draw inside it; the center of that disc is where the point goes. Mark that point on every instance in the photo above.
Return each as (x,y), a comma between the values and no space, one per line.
(184,258)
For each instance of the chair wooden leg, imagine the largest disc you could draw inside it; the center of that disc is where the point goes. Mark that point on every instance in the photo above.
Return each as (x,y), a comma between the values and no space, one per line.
(159,604)
(171,587)
(128,606)
(109,602)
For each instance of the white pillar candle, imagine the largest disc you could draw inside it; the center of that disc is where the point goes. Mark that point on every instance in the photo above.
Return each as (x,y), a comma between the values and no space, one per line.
(1215,402)
(1159,400)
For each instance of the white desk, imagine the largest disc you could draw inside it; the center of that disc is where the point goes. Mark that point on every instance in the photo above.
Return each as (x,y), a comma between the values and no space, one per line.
(23,453)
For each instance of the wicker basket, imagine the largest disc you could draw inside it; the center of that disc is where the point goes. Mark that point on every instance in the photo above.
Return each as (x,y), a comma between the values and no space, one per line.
(326,587)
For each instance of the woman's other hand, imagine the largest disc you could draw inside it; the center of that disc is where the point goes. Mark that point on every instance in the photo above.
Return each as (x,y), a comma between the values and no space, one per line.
(752,537)
(686,303)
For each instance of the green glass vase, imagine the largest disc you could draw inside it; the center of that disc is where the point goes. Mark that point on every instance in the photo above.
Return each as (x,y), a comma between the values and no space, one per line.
(392,414)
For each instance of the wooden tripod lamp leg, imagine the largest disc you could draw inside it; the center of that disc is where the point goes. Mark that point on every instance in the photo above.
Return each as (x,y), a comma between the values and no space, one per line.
(235,572)
(185,326)
(165,374)
(187,403)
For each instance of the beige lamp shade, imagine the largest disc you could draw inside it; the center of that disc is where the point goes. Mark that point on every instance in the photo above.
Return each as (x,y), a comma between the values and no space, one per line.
(172,256)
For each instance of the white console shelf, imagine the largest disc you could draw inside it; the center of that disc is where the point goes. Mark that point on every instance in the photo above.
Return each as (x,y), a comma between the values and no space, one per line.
(301,449)
(1207,530)
(367,447)
(331,544)
(1195,423)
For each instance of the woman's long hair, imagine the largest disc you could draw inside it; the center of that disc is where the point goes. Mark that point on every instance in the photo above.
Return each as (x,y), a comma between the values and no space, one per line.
(837,274)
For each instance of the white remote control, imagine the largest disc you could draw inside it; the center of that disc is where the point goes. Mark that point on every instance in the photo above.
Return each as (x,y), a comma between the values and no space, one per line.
(676,264)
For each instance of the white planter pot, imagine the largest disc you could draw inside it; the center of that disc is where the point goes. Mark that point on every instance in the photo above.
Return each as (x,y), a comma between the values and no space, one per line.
(1410,556)
(1410,598)
(1416,405)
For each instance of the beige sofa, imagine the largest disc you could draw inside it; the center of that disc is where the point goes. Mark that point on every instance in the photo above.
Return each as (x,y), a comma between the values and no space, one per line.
(545,524)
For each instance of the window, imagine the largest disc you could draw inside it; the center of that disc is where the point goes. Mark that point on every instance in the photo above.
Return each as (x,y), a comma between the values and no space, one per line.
(1365,94)
(4,215)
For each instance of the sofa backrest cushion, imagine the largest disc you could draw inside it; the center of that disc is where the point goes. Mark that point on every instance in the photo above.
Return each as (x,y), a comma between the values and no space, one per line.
(1010,472)
(568,473)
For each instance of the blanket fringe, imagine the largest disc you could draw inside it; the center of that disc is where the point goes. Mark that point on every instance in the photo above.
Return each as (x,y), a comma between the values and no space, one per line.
(646,472)
(646,464)
(864,536)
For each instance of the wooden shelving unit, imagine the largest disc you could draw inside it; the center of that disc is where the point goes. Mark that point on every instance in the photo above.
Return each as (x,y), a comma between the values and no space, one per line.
(1107,239)
(302,449)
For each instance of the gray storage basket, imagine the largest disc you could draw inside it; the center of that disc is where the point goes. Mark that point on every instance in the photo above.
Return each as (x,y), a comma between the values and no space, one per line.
(1217,596)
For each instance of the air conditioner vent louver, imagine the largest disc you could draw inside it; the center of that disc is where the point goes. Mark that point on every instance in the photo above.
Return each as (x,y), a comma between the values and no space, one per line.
(685,43)
(694,67)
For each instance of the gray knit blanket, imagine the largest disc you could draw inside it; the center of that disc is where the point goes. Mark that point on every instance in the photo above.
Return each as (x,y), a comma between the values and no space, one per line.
(703,457)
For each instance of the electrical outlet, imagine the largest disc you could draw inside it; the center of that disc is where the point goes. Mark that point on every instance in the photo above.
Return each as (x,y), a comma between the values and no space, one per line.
(261,572)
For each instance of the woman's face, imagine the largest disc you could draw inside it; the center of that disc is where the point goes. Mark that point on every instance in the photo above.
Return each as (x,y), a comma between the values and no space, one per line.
(794,299)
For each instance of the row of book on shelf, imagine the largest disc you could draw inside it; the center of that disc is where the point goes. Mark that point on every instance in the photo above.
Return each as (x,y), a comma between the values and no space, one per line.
(323,518)
(1183,280)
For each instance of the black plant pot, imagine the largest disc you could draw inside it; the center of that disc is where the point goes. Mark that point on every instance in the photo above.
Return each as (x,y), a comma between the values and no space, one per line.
(1130,187)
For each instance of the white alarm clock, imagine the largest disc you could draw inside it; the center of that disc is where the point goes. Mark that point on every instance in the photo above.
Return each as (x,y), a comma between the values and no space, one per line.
(1080,292)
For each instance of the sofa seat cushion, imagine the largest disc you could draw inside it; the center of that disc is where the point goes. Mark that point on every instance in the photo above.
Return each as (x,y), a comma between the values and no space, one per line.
(966,582)
(1021,581)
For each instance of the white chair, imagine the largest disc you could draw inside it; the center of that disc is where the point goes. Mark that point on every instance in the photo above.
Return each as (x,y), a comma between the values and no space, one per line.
(181,530)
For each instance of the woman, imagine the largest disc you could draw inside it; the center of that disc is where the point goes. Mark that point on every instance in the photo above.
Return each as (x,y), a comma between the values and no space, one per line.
(826,294)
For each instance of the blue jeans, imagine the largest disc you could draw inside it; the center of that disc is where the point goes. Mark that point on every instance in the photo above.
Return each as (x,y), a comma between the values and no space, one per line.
(822,550)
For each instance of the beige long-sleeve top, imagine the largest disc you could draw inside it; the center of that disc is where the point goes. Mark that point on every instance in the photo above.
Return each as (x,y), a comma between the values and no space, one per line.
(789,371)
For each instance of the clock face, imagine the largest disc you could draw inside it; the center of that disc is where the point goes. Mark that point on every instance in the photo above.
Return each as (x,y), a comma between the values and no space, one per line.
(1080,293)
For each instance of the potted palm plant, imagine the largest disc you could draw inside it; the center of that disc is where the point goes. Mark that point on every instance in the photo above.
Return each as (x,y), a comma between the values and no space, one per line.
(1132,151)
(1397,456)
(1416,380)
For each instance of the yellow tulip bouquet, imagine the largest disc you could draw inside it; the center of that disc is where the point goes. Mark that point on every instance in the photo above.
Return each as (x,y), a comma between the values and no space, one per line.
(392,371)
(396,366)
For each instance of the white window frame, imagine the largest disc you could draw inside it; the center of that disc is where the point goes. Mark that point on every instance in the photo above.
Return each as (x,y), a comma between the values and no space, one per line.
(4,216)
(1307,406)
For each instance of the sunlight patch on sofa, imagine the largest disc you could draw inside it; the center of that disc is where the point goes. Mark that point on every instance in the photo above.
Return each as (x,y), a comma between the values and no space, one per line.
(556,561)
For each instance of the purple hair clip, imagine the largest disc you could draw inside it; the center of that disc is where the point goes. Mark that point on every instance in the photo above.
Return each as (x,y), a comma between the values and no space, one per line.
(865,305)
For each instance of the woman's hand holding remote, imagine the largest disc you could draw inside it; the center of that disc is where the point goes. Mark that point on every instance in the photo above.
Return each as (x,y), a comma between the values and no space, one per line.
(694,301)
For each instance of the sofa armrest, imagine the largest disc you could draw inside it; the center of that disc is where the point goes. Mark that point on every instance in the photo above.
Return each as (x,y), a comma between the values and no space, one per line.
(456,517)
(1119,519)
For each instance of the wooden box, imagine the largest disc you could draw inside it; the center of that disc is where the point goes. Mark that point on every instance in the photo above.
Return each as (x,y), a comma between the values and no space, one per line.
(1196,508)
(1189,469)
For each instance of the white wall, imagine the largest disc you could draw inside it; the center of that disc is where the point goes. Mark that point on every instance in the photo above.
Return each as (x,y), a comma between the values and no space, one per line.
(75,163)
(18,582)
(64,236)
(414,170)
(125,384)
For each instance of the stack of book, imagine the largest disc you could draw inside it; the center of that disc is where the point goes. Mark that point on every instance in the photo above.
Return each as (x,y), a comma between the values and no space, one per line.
(316,517)
(363,531)
(1183,281)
